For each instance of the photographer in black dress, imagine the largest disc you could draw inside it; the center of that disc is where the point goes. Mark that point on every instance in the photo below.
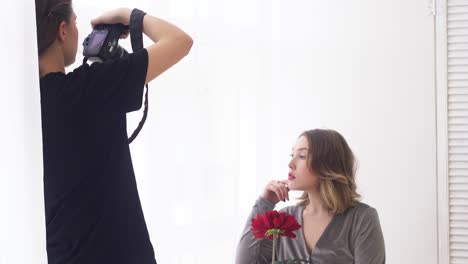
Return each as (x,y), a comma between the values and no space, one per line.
(93,211)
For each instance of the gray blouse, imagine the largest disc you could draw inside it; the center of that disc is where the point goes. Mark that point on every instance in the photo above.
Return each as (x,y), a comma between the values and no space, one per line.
(352,237)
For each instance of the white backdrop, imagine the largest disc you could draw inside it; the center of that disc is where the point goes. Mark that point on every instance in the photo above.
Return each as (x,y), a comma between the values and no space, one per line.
(22,222)
(222,122)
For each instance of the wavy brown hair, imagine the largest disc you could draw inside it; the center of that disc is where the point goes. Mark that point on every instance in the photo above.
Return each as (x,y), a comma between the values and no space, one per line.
(331,159)
(49,15)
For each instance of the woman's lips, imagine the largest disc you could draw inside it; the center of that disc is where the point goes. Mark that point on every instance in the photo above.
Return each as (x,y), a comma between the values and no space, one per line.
(291,177)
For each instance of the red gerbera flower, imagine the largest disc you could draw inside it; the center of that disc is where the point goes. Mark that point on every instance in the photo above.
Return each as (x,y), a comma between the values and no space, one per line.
(273,223)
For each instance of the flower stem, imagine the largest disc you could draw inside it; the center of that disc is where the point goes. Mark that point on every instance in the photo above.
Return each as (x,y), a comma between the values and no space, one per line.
(273,251)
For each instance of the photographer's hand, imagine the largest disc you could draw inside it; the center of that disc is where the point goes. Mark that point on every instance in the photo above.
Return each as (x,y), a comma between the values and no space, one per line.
(115,16)
(119,15)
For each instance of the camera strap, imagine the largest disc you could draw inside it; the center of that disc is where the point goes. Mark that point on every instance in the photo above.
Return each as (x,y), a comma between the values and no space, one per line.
(136,37)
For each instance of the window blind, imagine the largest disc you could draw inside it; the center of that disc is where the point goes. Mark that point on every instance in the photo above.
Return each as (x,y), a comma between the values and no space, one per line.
(457,67)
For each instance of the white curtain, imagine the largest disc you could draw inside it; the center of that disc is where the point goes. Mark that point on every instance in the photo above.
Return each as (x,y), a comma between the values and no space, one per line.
(221,122)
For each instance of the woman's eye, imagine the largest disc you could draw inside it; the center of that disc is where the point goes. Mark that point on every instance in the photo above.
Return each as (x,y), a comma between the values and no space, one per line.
(302,156)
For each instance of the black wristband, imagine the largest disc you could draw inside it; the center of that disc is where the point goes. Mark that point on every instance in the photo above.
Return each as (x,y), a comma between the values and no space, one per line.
(136,29)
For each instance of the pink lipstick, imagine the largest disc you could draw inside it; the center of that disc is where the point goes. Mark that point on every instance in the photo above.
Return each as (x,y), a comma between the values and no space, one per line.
(291,177)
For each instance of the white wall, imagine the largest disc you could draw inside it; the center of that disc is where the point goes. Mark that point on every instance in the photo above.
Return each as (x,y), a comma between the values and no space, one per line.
(366,69)
(22,221)
(221,123)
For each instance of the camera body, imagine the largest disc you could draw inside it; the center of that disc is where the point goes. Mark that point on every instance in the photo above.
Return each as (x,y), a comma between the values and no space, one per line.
(102,43)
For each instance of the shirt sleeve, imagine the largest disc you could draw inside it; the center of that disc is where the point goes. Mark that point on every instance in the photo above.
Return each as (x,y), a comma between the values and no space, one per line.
(369,243)
(252,250)
(118,84)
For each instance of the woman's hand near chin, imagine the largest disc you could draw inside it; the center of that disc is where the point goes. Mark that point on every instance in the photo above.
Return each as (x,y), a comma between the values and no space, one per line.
(276,191)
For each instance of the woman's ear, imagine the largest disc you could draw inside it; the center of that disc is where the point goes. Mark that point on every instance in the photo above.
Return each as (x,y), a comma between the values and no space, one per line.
(62,32)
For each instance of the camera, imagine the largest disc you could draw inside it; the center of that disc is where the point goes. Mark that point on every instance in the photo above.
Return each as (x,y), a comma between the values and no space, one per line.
(102,43)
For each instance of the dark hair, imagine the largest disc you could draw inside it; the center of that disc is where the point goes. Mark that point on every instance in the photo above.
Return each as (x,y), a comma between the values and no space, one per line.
(334,163)
(49,15)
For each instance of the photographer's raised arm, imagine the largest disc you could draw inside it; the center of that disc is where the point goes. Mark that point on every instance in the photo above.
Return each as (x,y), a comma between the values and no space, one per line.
(171,43)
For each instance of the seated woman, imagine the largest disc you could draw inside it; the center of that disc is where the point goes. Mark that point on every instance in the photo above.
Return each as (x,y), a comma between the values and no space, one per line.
(336,227)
